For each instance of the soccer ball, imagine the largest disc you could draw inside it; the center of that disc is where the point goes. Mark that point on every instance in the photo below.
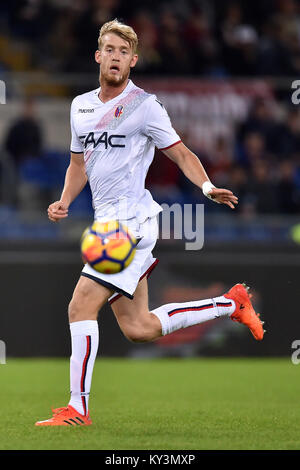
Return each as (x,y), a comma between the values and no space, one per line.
(108,247)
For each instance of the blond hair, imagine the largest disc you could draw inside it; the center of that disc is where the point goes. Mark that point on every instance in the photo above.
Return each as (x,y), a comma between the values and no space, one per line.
(124,31)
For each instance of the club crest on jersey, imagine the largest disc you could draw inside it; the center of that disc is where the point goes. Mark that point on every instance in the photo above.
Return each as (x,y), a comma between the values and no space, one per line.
(119,111)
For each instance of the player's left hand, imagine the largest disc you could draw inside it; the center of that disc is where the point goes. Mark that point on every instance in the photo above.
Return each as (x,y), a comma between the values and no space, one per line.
(223,196)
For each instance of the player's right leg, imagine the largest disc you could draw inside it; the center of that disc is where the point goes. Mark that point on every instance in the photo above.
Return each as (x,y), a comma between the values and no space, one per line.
(140,325)
(88,298)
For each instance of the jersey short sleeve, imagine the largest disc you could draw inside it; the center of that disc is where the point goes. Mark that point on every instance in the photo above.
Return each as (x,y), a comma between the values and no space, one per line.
(76,145)
(158,126)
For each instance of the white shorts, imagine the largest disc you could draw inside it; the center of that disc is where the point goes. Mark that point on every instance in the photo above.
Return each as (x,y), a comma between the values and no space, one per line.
(126,281)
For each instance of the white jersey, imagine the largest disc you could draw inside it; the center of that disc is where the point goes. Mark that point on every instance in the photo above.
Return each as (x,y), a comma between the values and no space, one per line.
(118,139)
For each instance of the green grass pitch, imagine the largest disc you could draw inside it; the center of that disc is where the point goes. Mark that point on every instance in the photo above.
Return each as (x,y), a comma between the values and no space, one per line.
(167,404)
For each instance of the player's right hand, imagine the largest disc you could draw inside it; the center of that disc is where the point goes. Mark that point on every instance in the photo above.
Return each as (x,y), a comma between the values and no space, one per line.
(57,210)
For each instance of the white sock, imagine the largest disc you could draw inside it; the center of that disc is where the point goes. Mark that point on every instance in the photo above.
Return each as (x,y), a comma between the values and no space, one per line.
(85,340)
(176,316)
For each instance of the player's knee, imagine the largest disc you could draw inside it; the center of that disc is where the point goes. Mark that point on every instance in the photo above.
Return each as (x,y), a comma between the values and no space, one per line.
(74,311)
(80,308)
(137,337)
(139,334)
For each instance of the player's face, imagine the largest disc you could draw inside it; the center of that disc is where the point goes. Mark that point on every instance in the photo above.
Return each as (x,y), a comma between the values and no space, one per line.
(115,59)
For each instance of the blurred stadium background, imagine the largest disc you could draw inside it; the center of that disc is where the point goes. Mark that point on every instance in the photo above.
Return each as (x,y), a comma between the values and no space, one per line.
(224,71)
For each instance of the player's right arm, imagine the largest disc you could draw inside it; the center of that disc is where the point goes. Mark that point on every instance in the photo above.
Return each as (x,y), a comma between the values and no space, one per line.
(75,181)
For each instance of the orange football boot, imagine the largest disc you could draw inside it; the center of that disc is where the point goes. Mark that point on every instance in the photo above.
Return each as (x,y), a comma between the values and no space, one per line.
(66,416)
(244,312)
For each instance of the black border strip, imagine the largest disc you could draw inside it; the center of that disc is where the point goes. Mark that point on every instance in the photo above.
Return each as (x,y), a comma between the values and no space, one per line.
(76,152)
(108,285)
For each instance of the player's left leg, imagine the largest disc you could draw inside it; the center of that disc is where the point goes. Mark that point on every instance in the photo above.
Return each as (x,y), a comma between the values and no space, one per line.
(88,298)
(134,318)
(140,325)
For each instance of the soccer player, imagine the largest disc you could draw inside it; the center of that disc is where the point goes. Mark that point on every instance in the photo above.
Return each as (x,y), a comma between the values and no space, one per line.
(115,129)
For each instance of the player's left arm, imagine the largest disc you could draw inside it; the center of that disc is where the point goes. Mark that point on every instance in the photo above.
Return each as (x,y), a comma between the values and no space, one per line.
(193,169)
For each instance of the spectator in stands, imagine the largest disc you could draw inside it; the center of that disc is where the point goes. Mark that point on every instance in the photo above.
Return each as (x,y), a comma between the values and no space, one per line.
(289,135)
(238,178)
(200,41)
(273,57)
(288,193)
(241,53)
(24,138)
(261,120)
(149,58)
(173,51)
(31,20)
(24,145)
(251,149)
(261,190)
(233,17)
(219,161)
(279,50)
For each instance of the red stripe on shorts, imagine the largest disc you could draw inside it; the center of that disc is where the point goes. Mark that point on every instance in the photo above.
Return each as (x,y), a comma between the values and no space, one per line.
(146,273)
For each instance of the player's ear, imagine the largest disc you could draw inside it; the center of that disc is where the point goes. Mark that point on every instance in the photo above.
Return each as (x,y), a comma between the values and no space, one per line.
(134,60)
(98,56)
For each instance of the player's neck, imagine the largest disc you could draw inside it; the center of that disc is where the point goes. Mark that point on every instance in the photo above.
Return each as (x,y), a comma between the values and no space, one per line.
(109,92)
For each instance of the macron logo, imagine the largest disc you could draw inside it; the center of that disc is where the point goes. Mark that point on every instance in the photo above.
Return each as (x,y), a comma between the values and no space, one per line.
(87,110)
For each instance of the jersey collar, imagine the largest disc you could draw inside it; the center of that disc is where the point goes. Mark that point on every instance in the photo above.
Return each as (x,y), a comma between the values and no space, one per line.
(126,90)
